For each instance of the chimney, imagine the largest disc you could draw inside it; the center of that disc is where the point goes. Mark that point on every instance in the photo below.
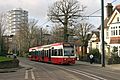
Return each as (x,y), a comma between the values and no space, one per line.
(109,8)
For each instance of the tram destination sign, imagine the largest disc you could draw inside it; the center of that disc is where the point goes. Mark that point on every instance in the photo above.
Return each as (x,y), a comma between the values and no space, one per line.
(67,45)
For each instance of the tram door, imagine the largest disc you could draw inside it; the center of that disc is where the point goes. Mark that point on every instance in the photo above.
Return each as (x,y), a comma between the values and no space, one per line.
(49,56)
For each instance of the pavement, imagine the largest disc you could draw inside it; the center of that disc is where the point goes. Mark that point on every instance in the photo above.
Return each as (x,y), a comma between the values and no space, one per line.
(21,65)
(112,66)
(7,70)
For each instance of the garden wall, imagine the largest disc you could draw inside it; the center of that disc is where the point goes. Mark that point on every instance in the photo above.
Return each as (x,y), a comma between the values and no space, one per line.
(9,64)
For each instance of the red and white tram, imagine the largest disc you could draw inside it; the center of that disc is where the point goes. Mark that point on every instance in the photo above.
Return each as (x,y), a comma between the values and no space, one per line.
(57,53)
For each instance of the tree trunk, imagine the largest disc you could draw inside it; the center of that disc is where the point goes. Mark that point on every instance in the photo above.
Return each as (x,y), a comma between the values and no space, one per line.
(82,52)
(66,29)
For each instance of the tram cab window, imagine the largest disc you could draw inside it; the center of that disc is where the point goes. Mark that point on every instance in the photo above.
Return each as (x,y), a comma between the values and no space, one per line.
(68,52)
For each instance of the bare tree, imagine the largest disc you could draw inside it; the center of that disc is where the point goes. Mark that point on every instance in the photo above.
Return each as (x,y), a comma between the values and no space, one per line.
(57,33)
(83,32)
(26,36)
(65,12)
(2,29)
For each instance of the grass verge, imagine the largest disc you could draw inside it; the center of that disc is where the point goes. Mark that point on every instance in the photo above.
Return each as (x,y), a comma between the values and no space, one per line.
(2,59)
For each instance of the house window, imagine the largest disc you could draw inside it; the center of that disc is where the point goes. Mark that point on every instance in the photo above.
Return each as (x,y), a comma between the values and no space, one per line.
(112,32)
(107,33)
(117,19)
(119,32)
(116,32)
(97,46)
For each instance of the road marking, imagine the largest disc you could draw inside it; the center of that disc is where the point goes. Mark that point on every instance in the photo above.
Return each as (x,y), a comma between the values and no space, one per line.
(32,75)
(26,74)
(82,74)
(89,75)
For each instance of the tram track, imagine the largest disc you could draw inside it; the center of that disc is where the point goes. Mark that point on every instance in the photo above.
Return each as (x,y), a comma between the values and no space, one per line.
(81,71)
(91,75)
(86,74)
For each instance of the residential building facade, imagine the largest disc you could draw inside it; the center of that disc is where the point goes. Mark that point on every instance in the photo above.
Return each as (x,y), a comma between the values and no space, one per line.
(111,32)
(114,30)
(94,42)
(16,18)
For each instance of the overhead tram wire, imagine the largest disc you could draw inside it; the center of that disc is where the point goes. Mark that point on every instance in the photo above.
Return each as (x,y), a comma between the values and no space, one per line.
(83,16)
(45,23)
(99,10)
(113,1)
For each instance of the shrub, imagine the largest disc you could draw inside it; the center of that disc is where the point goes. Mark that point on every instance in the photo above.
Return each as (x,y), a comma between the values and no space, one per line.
(114,60)
(96,54)
(84,58)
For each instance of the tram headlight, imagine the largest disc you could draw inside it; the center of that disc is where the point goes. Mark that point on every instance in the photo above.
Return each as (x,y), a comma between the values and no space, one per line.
(64,58)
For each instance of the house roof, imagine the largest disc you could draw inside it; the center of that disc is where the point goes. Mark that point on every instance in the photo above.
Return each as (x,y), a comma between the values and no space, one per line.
(115,12)
(109,18)
(97,33)
(105,23)
(118,8)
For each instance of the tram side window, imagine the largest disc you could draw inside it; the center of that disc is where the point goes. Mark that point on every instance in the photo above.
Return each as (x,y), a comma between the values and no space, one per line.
(47,52)
(43,52)
(60,52)
(39,53)
(30,53)
(54,52)
(36,53)
(33,52)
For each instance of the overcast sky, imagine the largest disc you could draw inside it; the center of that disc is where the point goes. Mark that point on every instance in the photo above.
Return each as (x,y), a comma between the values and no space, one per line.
(38,8)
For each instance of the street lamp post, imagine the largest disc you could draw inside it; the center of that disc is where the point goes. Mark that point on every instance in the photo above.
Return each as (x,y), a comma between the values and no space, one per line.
(102,34)
(41,36)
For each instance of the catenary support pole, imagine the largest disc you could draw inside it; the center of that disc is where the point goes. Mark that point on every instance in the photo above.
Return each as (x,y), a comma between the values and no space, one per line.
(102,34)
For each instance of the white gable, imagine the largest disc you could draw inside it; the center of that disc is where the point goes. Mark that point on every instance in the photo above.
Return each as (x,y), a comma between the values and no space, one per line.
(114,17)
(94,37)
